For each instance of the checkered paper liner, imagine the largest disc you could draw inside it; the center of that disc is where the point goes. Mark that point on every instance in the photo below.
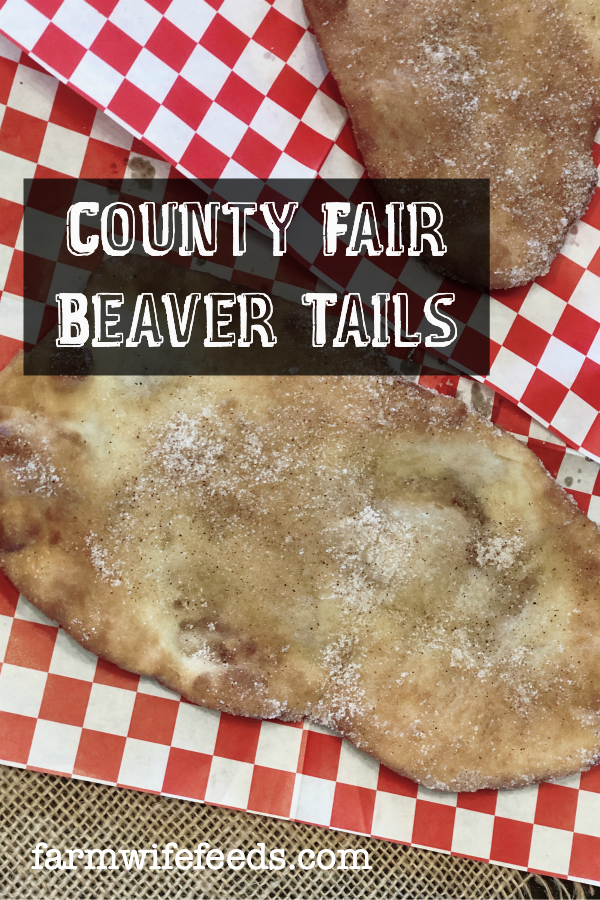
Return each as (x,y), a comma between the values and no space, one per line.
(222,88)
(62,710)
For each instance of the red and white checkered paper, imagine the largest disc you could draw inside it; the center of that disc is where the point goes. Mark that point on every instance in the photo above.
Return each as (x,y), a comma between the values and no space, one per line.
(220,87)
(64,711)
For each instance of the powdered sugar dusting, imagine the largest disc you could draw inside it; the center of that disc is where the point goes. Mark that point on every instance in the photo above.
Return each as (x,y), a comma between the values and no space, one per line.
(501,552)
(112,573)
(30,468)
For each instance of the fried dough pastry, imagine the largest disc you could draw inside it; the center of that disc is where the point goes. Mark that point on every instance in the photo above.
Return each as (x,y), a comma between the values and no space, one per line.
(357,550)
(501,89)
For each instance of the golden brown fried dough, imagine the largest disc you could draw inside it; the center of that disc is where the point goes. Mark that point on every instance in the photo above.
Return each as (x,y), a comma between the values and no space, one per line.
(502,89)
(358,550)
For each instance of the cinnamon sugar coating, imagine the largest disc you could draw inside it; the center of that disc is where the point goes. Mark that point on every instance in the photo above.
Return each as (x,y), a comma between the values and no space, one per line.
(502,89)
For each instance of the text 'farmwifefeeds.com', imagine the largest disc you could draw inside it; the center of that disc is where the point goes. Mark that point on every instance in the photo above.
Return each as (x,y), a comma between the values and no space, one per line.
(202,857)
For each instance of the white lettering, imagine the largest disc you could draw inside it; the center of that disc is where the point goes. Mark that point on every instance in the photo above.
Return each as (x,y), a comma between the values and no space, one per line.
(332,227)
(180,323)
(401,323)
(71,854)
(278,225)
(102,854)
(394,229)
(145,323)
(236,856)
(260,849)
(37,853)
(239,212)
(422,230)
(381,336)
(103,320)
(446,324)
(53,859)
(184,859)
(152,246)
(319,303)
(203,231)
(169,848)
(74,243)
(320,862)
(364,232)
(125,214)
(214,859)
(135,857)
(301,855)
(352,323)
(354,854)
(199,851)
(261,310)
(216,320)
(73,327)
(277,856)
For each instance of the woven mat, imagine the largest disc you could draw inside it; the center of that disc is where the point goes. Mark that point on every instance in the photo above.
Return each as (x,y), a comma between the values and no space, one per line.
(66,814)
